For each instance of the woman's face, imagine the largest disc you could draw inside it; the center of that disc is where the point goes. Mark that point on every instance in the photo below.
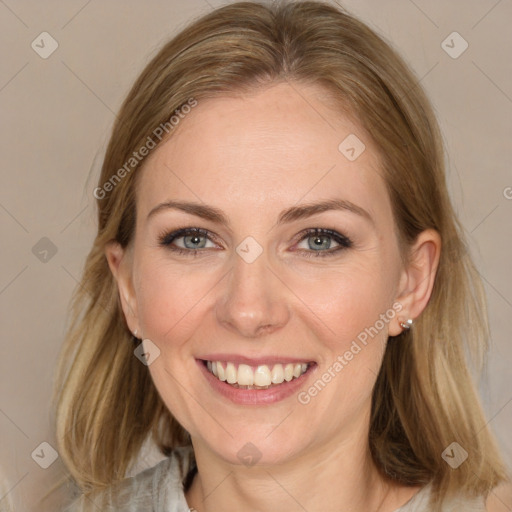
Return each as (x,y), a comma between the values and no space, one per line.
(254,290)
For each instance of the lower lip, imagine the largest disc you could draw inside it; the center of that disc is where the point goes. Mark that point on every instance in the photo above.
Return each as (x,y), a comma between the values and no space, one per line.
(256,396)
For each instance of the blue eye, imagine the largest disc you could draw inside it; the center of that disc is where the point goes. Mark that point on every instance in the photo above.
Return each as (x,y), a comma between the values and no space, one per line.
(191,240)
(195,239)
(322,239)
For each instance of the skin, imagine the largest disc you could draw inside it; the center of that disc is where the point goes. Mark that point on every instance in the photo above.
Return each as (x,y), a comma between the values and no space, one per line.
(253,157)
(500,499)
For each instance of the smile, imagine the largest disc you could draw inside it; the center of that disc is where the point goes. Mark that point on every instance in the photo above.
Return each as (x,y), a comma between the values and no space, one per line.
(244,376)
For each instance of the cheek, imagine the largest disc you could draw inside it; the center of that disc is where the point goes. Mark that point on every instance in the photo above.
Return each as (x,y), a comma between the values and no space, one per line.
(351,340)
(355,307)
(169,299)
(346,301)
(170,310)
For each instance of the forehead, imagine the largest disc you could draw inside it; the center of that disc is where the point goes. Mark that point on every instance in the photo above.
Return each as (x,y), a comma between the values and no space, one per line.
(275,147)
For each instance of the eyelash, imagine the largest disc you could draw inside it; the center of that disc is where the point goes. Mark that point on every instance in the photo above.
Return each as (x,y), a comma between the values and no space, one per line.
(344,242)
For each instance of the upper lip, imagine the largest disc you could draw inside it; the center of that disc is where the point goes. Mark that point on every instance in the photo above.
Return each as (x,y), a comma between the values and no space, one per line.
(254,361)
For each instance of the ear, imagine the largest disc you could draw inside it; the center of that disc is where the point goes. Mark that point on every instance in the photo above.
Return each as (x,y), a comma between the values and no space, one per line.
(120,263)
(417,278)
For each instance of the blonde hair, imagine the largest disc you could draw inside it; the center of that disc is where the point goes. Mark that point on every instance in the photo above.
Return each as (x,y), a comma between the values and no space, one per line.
(424,398)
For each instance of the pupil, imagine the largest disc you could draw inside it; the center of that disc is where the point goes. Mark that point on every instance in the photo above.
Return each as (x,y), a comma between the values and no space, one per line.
(318,241)
(194,239)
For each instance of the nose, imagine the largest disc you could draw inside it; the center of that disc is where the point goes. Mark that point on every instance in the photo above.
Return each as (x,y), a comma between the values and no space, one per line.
(252,301)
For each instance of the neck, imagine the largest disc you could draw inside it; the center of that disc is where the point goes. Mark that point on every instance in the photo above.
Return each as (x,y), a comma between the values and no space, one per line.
(340,476)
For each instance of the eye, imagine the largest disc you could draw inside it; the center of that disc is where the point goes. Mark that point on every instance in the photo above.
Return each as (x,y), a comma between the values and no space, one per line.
(319,242)
(186,240)
(190,241)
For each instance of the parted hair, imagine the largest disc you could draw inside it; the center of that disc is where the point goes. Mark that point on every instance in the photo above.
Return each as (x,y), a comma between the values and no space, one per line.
(106,404)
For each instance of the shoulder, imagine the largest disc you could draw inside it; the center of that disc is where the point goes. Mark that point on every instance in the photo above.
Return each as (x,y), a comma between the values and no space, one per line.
(500,498)
(156,488)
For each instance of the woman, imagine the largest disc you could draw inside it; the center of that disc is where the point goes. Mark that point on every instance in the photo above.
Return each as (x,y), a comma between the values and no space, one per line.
(278,291)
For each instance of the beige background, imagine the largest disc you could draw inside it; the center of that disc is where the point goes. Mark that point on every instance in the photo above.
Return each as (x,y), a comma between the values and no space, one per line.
(56,117)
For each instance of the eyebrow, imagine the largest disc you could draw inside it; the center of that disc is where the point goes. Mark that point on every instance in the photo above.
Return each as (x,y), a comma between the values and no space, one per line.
(286,216)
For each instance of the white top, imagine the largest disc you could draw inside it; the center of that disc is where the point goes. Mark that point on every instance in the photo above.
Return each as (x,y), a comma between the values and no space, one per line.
(160,489)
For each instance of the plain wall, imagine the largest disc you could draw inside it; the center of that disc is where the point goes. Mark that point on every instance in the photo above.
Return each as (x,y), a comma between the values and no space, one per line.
(56,115)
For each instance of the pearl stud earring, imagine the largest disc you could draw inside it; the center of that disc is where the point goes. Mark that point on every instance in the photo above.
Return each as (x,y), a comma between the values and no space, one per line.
(406,325)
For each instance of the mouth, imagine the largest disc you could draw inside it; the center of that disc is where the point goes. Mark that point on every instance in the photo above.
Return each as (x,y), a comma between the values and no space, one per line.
(250,382)
(244,376)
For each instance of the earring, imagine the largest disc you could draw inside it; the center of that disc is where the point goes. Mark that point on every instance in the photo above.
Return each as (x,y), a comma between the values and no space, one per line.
(406,325)
(134,338)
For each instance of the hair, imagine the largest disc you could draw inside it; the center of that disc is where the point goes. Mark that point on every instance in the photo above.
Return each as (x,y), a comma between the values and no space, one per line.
(424,397)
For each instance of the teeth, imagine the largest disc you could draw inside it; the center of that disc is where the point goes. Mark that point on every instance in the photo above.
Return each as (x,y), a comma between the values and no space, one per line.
(245,375)
(221,373)
(278,374)
(230,373)
(261,377)
(288,372)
